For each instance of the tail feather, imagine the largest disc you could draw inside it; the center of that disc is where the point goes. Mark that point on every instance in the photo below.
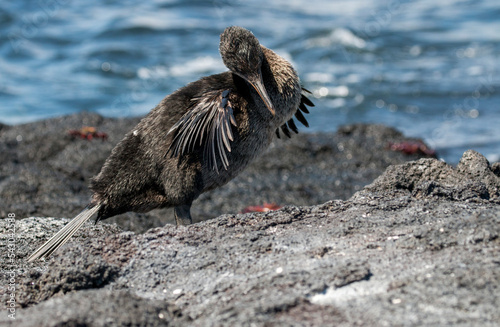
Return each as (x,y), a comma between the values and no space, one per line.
(61,237)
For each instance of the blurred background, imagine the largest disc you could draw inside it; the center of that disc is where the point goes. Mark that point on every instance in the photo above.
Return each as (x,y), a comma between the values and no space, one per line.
(429,68)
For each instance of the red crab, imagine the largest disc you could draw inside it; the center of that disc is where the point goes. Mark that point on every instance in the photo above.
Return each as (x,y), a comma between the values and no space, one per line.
(88,133)
(263,208)
(412,147)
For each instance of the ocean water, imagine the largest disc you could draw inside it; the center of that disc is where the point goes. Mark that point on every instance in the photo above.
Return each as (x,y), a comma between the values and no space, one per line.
(429,68)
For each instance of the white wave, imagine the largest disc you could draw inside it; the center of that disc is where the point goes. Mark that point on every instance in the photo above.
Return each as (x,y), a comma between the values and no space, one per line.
(152,72)
(341,36)
(337,91)
(199,65)
(316,77)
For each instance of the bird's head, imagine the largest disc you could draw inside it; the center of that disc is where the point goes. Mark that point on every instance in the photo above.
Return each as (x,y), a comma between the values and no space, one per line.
(242,54)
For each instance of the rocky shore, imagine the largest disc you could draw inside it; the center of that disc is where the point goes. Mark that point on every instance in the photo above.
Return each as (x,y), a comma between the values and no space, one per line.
(367,236)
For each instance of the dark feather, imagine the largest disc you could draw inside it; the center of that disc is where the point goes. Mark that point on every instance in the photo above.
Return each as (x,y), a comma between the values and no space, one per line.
(292,126)
(291,123)
(303,108)
(206,124)
(306,100)
(301,118)
(285,130)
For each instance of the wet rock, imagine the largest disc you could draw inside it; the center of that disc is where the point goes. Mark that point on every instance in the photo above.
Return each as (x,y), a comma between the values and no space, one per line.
(473,179)
(418,246)
(100,308)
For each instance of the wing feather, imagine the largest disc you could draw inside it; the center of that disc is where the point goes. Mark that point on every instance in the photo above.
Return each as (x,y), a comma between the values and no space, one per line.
(290,124)
(301,118)
(285,130)
(206,124)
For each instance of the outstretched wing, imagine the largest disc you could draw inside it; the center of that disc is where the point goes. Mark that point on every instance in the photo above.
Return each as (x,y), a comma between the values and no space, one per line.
(285,128)
(206,124)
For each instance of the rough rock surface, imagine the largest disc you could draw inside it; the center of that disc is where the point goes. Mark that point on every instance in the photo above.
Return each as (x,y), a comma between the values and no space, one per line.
(417,247)
(44,172)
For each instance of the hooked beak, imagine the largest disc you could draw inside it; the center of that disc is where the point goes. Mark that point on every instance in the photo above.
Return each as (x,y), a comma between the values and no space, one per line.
(258,85)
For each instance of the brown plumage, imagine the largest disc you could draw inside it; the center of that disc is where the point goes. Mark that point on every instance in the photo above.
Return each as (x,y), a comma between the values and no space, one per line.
(198,138)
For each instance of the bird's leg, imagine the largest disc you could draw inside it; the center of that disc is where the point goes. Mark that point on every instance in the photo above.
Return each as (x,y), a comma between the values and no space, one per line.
(183,215)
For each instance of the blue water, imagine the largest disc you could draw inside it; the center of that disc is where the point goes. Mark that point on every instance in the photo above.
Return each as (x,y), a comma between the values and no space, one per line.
(429,68)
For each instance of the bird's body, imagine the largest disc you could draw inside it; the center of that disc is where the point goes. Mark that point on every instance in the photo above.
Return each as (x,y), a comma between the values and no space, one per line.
(197,138)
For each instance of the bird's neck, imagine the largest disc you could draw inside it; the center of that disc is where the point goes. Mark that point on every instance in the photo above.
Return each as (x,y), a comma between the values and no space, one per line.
(282,84)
